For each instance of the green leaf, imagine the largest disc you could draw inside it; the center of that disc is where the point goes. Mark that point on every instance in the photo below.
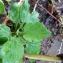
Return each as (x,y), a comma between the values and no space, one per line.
(0,60)
(4,33)
(8,0)
(24,8)
(14,13)
(34,16)
(0,55)
(25,15)
(13,51)
(22,13)
(53,1)
(0,52)
(33,48)
(35,31)
(2,8)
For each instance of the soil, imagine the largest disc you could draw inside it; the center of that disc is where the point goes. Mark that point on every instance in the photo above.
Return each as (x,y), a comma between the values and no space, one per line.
(51,45)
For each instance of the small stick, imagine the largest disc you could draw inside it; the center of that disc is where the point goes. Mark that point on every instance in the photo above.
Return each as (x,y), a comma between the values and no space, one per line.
(20,2)
(5,21)
(35,5)
(50,13)
(42,57)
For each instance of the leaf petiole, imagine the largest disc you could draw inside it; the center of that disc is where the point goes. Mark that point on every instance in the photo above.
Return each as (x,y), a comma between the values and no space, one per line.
(21,26)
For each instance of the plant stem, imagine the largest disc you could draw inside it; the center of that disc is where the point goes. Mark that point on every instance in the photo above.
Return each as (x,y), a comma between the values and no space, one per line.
(21,26)
(35,5)
(43,57)
(21,33)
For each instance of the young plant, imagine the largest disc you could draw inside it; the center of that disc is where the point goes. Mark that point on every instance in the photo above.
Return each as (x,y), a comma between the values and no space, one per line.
(25,37)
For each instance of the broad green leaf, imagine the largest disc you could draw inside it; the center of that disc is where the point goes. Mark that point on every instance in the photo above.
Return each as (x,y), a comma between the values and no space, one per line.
(33,48)
(13,51)
(14,13)
(25,5)
(8,0)
(25,15)
(2,8)
(0,47)
(0,60)
(34,16)
(4,33)
(0,55)
(22,13)
(0,52)
(35,31)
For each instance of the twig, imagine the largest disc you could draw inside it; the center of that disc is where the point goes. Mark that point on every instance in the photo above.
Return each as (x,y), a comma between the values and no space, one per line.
(5,21)
(49,13)
(43,57)
(35,5)
(7,18)
(20,2)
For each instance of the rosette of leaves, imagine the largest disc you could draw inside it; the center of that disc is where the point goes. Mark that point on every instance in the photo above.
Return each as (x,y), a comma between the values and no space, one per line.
(30,29)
